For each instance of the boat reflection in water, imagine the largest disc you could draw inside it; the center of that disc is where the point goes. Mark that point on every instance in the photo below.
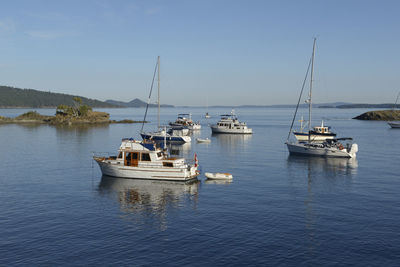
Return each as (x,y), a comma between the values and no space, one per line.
(232,142)
(328,167)
(211,181)
(149,198)
(315,180)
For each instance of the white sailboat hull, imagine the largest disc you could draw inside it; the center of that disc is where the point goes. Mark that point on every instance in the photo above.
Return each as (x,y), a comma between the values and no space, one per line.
(306,150)
(155,173)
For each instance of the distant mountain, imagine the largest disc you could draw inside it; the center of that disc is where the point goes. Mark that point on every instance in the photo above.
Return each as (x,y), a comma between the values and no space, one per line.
(320,105)
(29,98)
(386,105)
(135,103)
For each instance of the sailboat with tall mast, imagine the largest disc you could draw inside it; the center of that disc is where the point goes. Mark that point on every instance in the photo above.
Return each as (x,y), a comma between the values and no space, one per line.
(161,135)
(335,147)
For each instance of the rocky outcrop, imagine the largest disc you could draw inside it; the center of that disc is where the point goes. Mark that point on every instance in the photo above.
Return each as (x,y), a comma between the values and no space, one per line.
(380,115)
(92,117)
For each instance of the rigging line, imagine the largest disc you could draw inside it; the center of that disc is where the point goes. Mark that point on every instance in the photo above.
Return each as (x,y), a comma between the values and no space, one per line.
(298,102)
(395,103)
(148,101)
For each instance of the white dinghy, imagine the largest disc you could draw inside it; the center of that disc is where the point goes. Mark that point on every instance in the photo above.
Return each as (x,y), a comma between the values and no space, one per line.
(219,176)
(200,140)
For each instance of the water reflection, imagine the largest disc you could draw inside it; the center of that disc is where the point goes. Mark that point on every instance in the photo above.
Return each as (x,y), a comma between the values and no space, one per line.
(328,167)
(211,181)
(321,174)
(232,142)
(149,198)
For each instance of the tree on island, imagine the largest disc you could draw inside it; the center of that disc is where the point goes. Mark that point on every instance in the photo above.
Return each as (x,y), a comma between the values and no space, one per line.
(77,110)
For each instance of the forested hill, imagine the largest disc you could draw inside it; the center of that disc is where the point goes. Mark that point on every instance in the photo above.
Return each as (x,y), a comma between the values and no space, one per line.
(29,98)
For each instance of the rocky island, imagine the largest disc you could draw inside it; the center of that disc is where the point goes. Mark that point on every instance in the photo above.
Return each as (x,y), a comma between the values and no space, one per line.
(380,115)
(67,115)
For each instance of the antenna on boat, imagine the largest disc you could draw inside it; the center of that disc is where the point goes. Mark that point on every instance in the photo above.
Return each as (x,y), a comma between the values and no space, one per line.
(158,115)
(165,137)
(148,100)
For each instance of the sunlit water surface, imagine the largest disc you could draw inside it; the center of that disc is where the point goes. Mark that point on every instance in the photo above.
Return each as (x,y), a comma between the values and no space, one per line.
(57,209)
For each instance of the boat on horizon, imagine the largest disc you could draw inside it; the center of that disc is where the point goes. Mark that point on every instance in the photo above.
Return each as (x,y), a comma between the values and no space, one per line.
(331,147)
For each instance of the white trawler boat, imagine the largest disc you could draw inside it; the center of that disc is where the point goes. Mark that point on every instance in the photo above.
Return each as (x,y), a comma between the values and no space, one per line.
(144,160)
(229,124)
(318,133)
(327,148)
(159,136)
(185,121)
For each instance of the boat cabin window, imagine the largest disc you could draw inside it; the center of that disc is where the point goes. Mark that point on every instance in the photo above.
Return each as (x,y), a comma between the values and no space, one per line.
(145,157)
(120,155)
(131,158)
(168,164)
(159,154)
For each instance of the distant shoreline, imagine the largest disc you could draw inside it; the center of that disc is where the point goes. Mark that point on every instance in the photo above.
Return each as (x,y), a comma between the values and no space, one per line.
(322,106)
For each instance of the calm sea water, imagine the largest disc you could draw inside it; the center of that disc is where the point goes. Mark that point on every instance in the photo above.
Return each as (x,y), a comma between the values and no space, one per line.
(57,209)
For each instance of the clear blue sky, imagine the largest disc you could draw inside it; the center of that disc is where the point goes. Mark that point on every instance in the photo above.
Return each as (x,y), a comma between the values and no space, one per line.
(229,52)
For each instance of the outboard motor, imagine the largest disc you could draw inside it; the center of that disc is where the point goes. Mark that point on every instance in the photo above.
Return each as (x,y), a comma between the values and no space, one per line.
(354,149)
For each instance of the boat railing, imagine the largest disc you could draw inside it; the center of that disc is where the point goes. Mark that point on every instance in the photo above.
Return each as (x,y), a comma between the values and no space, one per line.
(105,155)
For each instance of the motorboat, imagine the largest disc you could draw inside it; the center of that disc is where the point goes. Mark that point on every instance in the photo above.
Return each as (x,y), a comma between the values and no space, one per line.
(219,176)
(394,124)
(229,124)
(318,133)
(207,116)
(145,160)
(171,137)
(330,147)
(201,140)
(185,121)
(159,136)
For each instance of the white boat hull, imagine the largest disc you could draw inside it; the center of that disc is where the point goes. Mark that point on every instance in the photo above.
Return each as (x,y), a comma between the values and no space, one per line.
(313,137)
(394,124)
(199,140)
(221,130)
(218,176)
(158,173)
(306,150)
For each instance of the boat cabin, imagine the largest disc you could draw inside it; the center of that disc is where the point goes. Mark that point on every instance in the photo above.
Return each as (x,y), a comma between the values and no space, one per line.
(322,129)
(139,154)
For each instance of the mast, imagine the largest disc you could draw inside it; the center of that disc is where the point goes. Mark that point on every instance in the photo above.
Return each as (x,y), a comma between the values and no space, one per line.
(311,83)
(158,72)
(395,103)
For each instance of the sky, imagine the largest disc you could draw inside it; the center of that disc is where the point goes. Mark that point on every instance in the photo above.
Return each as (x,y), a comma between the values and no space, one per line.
(213,52)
